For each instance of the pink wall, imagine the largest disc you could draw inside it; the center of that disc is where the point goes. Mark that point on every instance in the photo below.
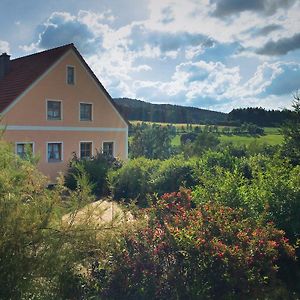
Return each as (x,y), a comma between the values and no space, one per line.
(70,141)
(31,111)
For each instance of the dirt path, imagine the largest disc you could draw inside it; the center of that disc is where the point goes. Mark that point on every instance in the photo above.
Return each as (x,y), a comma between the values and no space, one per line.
(99,213)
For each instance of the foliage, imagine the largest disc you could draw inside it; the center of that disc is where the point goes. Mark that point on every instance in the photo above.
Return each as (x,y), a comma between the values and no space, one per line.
(172,174)
(132,180)
(39,253)
(153,142)
(188,137)
(260,184)
(96,169)
(203,142)
(134,109)
(141,177)
(260,116)
(207,252)
(291,133)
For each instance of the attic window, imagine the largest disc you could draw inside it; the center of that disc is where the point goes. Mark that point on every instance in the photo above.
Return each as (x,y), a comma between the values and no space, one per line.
(85,112)
(53,110)
(70,75)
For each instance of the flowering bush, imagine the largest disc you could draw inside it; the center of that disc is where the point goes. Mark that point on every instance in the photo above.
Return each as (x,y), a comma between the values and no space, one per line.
(188,252)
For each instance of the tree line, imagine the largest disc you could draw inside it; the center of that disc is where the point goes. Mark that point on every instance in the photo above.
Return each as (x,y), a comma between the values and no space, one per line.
(139,110)
(261,116)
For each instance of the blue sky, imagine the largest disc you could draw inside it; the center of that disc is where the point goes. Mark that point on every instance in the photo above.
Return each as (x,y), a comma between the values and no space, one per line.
(214,54)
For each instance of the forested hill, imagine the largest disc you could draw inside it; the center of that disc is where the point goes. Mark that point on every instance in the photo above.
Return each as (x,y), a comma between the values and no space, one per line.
(139,110)
(260,116)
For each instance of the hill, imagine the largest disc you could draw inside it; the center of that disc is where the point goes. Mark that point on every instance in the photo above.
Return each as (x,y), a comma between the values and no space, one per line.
(139,110)
(261,116)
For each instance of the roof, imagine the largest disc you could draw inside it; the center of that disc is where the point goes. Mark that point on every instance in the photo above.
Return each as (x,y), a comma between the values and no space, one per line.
(24,71)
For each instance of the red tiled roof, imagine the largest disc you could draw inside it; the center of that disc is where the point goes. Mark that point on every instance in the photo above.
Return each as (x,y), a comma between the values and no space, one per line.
(24,71)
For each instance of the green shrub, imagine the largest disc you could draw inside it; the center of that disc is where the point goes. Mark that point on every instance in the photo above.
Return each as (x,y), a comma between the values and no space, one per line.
(39,253)
(264,186)
(204,141)
(96,169)
(172,174)
(140,177)
(132,181)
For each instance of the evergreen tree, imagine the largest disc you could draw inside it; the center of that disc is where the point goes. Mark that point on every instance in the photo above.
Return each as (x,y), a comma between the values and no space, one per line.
(291,133)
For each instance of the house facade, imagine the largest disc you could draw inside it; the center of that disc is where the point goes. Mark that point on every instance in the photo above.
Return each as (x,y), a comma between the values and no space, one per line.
(53,104)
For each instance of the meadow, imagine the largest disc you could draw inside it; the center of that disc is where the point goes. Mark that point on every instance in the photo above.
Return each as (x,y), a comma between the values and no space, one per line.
(272,135)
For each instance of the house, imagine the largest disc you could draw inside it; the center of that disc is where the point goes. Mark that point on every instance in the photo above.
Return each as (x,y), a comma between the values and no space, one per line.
(52,103)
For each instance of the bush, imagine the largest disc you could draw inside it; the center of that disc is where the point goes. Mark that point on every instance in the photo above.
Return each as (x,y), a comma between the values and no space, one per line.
(141,177)
(96,169)
(207,252)
(39,254)
(132,181)
(265,187)
(172,174)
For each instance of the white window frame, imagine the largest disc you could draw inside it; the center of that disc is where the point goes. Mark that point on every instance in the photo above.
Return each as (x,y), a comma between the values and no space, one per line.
(92,111)
(80,142)
(22,143)
(61,109)
(114,146)
(62,152)
(70,66)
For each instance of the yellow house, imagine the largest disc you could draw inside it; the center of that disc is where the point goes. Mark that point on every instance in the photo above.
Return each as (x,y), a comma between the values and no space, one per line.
(53,101)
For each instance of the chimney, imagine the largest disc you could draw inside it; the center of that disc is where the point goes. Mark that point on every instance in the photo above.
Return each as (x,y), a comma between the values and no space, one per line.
(4,64)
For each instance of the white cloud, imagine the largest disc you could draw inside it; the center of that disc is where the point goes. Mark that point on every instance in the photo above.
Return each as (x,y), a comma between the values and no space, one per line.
(257,84)
(193,83)
(4,47)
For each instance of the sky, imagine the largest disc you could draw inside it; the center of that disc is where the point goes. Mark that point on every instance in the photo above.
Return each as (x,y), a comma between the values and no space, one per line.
(212,54)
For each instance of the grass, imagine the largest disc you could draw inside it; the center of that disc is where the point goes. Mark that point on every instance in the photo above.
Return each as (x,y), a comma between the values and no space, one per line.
(272,130)
(176,141)
(272,135)
(268,130)
(177,125)
(270,139)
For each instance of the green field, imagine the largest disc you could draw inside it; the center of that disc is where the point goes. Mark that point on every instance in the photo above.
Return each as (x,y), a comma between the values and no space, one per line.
(272,135)
(177,125)
(270,139)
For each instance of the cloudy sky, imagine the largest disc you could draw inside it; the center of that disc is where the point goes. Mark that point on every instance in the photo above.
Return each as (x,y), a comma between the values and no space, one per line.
(215,54)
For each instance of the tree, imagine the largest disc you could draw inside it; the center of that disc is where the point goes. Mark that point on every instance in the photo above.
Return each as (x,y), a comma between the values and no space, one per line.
(203,142)
(152,143)
(291,133)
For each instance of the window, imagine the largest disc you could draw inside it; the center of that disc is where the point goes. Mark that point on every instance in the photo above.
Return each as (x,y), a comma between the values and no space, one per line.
(54,152)
(70,75)
(85,112)
(53,110)
(85,150)
(108,148)
(23,149)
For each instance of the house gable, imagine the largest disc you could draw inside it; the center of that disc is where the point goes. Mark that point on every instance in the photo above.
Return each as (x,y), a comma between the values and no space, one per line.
(29,108)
